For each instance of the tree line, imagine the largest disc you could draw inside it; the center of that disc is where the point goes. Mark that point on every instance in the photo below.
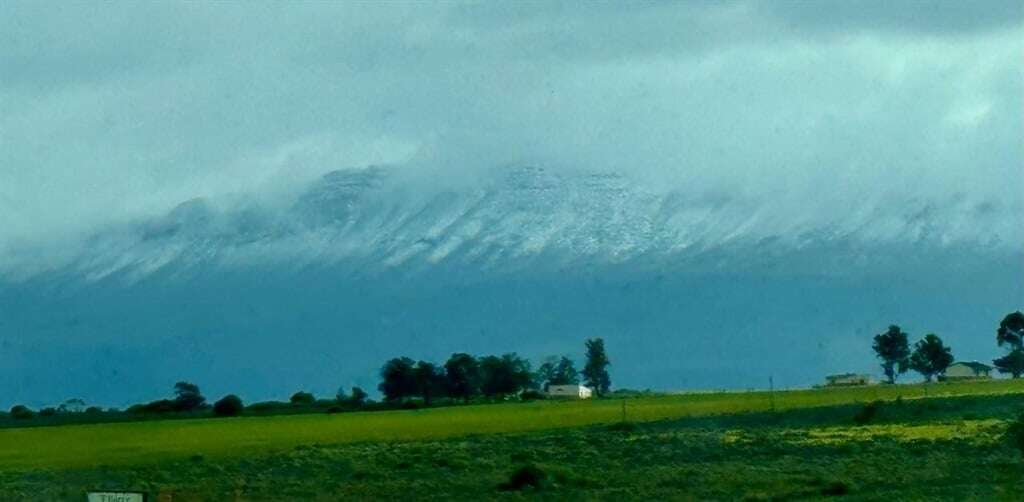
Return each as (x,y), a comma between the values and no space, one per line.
(404,383)
(931,357)
(464,377)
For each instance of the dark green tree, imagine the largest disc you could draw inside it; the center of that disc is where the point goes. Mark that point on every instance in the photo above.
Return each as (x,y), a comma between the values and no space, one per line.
(505,375)
(545,372)
(429,381)
(74,405)
(398,380)
(931,357)
(894,351)
(358,398)
(1011,335)
(228,406)
(462,376)
(565,373)
(1012,363)
(560,371)
(1011,330)
(187,397)
(21,412)
(595,371)
(302,398)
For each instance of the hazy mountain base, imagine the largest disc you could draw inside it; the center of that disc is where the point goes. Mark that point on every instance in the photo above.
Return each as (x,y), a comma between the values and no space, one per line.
(115,344)
(932,449)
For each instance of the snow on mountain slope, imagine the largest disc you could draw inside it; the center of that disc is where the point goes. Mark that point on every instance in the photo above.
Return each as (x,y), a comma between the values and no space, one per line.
(524,216)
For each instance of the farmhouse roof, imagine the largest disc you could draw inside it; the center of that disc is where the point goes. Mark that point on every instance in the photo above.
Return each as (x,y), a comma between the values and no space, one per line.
(975,365)
(847,375)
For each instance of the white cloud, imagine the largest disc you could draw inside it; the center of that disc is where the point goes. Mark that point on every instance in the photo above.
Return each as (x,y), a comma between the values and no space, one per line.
(108,116)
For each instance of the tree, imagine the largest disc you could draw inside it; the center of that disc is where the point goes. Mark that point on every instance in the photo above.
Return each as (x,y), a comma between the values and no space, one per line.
(187,396)
(565,373)
(302,398)
(894,351)
(557,372)
(1011,334)
(505,375)
(931,357)
(1012,363)
(545,372)
(358,398)
(229,406)
(74,405)
(595,372)
(1011,330)
(398,379)
(429,381)
(462,376)
(21,412)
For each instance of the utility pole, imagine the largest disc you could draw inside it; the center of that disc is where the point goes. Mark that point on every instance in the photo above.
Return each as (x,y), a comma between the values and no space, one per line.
(771,391)
(623,411)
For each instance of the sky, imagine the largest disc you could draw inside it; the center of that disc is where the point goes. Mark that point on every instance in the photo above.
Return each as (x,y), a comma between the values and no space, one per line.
(115,111)
(886,116)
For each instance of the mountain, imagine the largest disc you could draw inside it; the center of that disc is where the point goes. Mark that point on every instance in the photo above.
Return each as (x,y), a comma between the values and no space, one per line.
(691,287)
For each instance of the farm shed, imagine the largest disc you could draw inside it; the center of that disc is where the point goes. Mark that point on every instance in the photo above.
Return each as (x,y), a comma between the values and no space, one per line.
(967,369)
(847,379)
(570,391)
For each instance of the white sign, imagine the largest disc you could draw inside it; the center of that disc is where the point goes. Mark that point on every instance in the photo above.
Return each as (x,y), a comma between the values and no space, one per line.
(116,497)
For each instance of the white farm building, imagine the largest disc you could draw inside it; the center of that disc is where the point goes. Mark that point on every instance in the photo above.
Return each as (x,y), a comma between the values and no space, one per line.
(570,391)
(847,379)
(967,370)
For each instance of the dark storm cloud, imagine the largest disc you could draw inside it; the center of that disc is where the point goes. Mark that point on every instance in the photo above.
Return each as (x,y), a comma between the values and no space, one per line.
(111,111)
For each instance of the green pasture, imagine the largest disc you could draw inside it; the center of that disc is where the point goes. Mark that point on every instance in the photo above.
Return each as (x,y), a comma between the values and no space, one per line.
(139,443)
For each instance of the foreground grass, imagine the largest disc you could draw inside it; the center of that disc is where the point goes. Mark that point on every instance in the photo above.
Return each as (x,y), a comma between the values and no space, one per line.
(124,444)
(928,449)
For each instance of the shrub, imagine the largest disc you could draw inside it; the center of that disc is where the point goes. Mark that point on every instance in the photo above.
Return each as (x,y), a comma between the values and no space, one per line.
(268,406)
(867,413)
(92,410)
(623,427)
(835,489)
(527,475)
(1014,434)
(21,412)
(160,406)
(229,406)
(303,399)
(532,395)
(48,412)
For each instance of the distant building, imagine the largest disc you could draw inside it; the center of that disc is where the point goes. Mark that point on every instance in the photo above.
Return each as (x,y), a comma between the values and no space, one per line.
(962,370)
(847,379)
(570,391)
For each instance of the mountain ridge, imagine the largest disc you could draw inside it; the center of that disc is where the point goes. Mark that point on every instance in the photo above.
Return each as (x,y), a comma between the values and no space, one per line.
(516,218)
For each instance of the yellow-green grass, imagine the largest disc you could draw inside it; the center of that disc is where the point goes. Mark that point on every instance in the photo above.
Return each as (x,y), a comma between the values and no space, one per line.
(976,432)
(154,441)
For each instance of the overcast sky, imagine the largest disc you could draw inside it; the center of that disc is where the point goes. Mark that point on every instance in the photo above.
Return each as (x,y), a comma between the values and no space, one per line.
(111,111)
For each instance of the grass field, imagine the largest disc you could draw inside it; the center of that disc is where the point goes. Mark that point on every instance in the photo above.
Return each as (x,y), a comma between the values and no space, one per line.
(140,442)
(943,441)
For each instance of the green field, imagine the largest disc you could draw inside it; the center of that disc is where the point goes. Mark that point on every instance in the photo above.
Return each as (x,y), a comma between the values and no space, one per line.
(357,453)
(135,442)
